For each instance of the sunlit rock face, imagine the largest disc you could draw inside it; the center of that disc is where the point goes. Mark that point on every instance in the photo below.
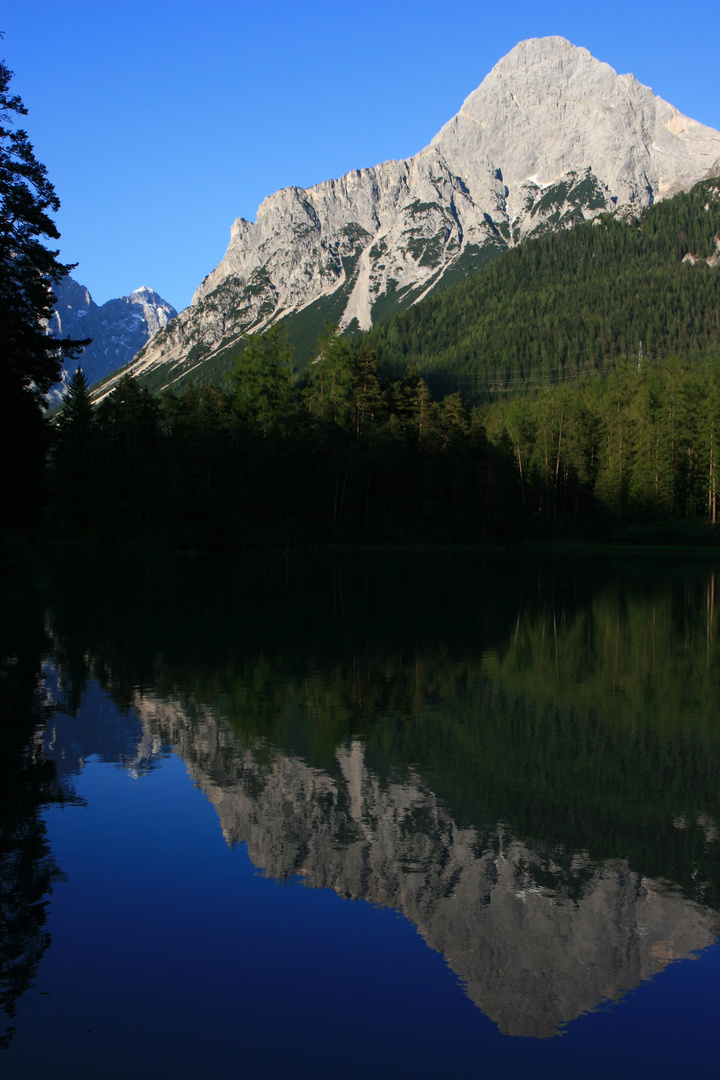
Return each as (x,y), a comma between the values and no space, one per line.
(549,109)
(118,328)
(551,137)
(537,939)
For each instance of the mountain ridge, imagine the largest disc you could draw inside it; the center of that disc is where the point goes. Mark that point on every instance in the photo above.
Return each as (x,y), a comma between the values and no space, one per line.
(551,137)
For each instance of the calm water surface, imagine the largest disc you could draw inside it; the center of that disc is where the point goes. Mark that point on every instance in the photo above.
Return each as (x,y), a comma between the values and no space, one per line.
(368,815)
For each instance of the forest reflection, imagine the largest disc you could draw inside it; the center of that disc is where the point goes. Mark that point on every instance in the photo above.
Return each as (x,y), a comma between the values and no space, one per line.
(28,781)
(522,758)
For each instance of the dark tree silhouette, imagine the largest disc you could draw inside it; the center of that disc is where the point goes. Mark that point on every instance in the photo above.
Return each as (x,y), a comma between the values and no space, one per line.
(73,459)
(30,359)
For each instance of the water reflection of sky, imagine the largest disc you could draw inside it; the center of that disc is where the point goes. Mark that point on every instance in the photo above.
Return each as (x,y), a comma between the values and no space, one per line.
(172,954)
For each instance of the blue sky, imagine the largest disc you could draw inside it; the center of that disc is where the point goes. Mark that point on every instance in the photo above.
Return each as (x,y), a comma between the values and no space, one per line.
(161,122)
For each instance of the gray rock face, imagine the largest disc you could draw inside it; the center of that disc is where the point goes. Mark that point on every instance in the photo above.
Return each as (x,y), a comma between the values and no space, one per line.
(549,109)
(118,329)
(531,955)
(551,137)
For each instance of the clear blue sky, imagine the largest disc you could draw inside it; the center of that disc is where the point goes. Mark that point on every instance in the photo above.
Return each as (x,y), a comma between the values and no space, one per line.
(162,121)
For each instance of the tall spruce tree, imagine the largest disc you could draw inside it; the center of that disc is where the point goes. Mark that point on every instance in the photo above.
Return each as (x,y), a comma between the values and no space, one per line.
(261,381)
(330,380)
(74,458)
(30,359)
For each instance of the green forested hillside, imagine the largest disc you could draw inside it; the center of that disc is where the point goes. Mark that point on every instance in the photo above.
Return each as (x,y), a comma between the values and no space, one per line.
(571,304)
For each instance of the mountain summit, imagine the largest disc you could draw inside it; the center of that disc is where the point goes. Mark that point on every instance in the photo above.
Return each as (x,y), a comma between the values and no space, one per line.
(549,109)
(117,329)
(551,137)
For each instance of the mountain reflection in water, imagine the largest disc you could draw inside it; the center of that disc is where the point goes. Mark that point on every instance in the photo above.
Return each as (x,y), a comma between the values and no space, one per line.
(532,957)
(522,759)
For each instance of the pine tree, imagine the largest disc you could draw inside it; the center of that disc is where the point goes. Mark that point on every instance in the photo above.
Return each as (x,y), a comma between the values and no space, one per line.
(368,392)
(128,423)
(77,411)
(330,379)
(261,381)
(30,358)
(74,458)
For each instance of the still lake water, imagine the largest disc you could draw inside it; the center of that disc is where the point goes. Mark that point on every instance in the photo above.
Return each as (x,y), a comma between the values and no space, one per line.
(361,815)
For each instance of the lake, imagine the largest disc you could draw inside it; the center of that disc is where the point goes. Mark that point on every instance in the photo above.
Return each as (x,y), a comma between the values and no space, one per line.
(339,815)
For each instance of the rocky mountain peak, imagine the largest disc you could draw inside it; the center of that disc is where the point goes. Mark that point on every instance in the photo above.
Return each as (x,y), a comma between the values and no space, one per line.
(549,108)
(118,328)
(551,137)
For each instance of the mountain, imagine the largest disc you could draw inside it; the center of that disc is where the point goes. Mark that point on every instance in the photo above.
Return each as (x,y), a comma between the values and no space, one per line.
(118,328)
(551,137)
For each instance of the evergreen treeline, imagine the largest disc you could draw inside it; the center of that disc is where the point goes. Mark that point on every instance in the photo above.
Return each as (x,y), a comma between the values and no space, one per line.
(353,458)
(638,450)
(260,463)
(571,303)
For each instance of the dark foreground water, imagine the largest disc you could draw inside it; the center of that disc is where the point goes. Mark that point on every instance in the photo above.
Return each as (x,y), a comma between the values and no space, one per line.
(360,816)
